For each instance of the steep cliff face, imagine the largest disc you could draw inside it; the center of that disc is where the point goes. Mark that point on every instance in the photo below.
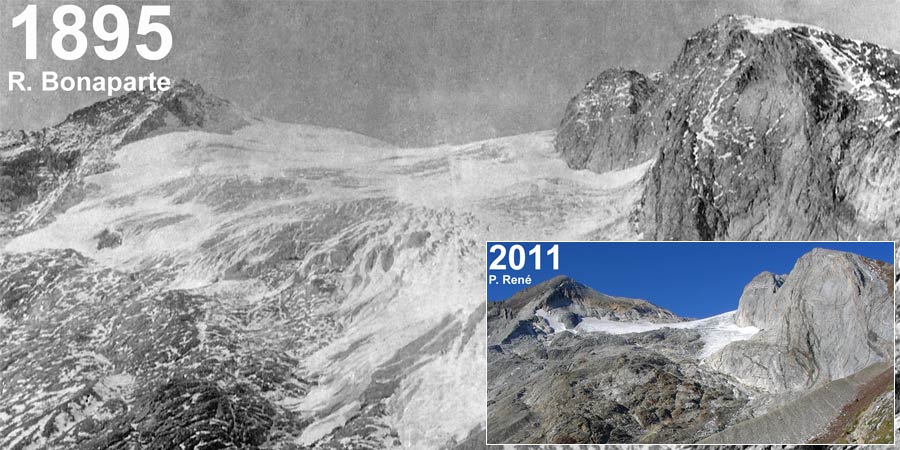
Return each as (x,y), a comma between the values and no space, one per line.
(763,129)
(758,305)
(597,131)
(830,319)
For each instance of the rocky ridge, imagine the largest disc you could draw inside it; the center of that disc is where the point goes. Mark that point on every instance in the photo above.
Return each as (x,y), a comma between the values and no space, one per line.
(566,302)
(822,334)
(41,171)
(759,130)
(547,386)
(827,321)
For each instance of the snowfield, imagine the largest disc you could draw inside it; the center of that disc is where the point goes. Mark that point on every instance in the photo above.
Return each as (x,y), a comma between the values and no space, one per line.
(716,331)
(309,243)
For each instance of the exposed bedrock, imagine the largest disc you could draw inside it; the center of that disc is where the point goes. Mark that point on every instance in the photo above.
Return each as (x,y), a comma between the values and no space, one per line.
(831,318)
(759,130)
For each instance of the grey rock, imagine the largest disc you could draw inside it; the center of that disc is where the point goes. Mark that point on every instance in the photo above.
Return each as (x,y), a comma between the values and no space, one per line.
(567,301)
(784,135)
(548,386)
(42,172)
(831,320)
(595,132)
(757,306)
(803,419)
(108,239)
(598,388)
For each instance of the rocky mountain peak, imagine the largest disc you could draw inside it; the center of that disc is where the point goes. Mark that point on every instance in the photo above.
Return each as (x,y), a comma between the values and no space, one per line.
(590,133)
(830,318)
(572,296)
(759,129)
(185,104)
(757,306)
(41,171)
(566,301)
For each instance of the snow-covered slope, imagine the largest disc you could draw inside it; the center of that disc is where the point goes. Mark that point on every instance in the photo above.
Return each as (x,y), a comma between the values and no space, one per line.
(169,262)
(331,279)
(716,332)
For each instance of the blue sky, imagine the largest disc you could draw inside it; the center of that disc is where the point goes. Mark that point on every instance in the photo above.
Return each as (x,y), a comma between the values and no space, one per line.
(692,279)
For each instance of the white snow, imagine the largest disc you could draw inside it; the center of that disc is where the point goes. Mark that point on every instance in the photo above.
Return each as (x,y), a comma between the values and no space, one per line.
(856,79)
(716,331)
(494,180)
(462,195)
(554,323)
(761,26)
(709,131)
(115,385)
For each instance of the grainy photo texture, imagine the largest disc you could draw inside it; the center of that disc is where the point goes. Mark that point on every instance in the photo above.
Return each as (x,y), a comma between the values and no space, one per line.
(262,224)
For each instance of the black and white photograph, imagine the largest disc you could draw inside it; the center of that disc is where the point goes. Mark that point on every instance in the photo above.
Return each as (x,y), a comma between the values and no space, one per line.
(263,224)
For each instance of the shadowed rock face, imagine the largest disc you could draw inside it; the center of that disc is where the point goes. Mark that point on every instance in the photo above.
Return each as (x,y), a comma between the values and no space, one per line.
(596,131)
(758,132)
(830,319)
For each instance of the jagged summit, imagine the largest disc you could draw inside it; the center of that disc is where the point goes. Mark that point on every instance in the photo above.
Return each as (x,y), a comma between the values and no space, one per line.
(827,319)
(565,302)
(41,171)
(185,104)
(593,133)
(865,70)
(760,25)
(562,292)
(759,129)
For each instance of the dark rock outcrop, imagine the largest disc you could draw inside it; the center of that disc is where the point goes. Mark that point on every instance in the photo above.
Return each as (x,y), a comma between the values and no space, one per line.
(597,131)
(760,130)
(41,171)
(108,239)
(598,388)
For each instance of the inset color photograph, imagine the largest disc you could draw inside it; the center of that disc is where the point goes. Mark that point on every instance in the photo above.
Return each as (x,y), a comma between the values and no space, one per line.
(690,342)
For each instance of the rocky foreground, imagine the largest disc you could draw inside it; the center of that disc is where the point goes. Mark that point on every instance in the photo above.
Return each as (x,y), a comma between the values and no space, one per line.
(177,273)
(819,336)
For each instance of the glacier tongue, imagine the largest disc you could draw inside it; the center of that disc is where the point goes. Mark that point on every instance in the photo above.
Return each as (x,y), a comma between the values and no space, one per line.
(342,266)
(716,332)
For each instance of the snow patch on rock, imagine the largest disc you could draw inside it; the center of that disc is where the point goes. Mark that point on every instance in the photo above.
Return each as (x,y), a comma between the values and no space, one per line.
(761,26)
